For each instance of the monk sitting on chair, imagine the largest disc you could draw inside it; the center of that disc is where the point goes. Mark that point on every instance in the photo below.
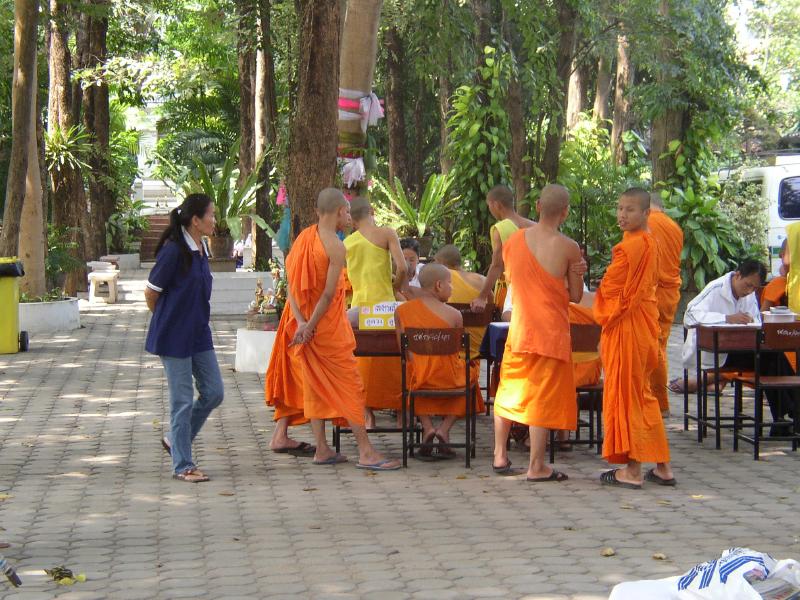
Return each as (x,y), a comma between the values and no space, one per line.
(370,251)
(536,378)
(323,341)
(626,308)
(429,311)
(774,293)
(500,201)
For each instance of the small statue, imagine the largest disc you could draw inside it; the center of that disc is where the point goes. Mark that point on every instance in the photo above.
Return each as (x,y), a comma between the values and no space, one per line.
(260,297)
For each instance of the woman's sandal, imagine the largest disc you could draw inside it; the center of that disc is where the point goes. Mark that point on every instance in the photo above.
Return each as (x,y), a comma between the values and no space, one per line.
(191,476)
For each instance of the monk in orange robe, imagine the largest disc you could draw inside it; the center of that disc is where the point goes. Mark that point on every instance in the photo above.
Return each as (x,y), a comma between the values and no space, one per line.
(626,308)
(323,342)
(429,311)
(587,366)
(537,386)
(774,293)
(669,244)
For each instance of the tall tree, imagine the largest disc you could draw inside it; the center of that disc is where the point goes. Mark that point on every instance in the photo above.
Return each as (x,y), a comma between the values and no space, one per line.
(246,57)
(622,99)
(23,96)
(312,148)
(395,105)
(602,88)
(32,238)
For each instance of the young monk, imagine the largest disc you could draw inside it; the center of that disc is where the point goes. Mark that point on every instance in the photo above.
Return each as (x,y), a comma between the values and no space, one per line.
(500,201)
(323,341)
(669,244)
(465,288)
(774,293)
(536,379)
(429,311)
(370,251)
(627,309)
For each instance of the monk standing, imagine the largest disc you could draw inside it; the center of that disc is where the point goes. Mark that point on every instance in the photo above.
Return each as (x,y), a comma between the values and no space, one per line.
(536,379)
(323,341)
(370,252)
(627,309)
(669,244)
(500,201)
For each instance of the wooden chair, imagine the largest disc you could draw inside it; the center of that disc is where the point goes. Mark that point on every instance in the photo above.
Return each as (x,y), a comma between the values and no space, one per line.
(586,338)
(481,319)
(773,337)
(437,342)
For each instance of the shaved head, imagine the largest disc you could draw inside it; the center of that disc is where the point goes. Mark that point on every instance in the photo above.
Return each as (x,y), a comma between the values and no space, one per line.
(330,200)
(360,208)
(432,273)
(449,256)
(641,196)
(655,200)
(553,200)
(502,195)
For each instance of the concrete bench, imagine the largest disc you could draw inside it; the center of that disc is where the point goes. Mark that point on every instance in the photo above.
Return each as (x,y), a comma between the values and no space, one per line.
(107,277)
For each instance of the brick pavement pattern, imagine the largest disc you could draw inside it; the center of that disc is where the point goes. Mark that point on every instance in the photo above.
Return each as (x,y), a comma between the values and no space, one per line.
(89,487)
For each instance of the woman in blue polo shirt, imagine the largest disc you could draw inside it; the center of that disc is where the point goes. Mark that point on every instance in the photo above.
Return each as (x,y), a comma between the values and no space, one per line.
(179,292)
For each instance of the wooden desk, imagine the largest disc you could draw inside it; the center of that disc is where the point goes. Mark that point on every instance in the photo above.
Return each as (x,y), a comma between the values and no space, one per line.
(376,343)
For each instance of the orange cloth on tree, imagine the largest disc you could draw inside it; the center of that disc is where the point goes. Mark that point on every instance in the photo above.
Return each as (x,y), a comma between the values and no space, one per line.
(332,386)
(283,384)
(464,293)
(537,385)
(587,366)
(626,307)
(436,372)
(669,244)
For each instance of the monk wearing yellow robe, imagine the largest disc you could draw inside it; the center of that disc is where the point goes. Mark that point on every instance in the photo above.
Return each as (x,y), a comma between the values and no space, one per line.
(429,311)
(370,251)
(793,257)
(669,244)
(500,201)
(323,342)
(627,309)
(465,288)
(774,294)
(537,386)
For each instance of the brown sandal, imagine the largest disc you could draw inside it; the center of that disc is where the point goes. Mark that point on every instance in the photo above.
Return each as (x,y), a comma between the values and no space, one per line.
(191,476)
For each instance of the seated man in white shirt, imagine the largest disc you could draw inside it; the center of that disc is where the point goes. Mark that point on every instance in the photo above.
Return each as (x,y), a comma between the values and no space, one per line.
(731,299)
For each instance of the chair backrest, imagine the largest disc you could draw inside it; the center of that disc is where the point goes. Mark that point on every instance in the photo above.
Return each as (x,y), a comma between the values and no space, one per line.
(435,342)
(473,319)
(781,336)
(585,337)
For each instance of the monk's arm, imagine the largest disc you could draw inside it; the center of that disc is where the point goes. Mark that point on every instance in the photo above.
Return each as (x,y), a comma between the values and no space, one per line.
(495,271)
(335,266)
(401,274)
(151,297)
(298,316)
(577,267)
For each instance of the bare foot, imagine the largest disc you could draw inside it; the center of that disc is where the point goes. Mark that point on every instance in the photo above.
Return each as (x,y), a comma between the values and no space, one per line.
(663,472)
(374,458)
(625,477)
(285,442)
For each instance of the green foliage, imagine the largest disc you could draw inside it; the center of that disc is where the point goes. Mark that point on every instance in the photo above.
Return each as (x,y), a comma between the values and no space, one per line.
(68,148)
(59,261)
(398,211)
(53,295)
(743,203)
(595,182)
(125,226)
(479,144)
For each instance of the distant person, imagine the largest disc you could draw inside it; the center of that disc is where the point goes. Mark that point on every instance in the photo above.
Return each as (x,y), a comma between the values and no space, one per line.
(774,293)
(178,293)
(410,248)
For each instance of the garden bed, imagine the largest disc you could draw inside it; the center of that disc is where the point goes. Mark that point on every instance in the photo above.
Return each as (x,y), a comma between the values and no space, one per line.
(49,317)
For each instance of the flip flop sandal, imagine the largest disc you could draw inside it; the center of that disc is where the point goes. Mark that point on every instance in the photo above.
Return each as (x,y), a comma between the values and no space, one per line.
(192,476)
(610,478)
(653,478)
(333,460)
(443,448)
(554,476)
(378,466)
(675,386)
(426,450)
(166,445)
(506,471)
(303,450)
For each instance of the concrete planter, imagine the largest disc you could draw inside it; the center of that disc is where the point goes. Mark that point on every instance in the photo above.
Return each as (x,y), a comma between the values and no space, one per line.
(253,349)
(49,317)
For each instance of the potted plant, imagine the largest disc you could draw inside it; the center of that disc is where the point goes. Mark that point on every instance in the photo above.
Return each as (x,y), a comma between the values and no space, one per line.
(419,221)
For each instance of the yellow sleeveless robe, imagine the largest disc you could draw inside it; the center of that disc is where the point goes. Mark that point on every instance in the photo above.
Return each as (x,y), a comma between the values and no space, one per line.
(464,293)
(504,229)
(793,277)
(369,269)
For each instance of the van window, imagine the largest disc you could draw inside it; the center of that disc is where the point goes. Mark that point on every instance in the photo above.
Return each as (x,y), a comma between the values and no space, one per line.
(789,198)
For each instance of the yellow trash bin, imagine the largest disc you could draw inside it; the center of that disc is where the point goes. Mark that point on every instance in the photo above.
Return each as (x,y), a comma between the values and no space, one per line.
(11,339)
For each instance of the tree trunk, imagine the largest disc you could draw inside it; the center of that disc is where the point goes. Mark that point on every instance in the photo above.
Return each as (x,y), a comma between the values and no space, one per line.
(555,130)
(266,117)
(312,148)
(395,103)
(602,90)
(445,93)
(576,91)
(23,94)
(520,168)
(32,244)
(245,49)
(622,102)
(96,119)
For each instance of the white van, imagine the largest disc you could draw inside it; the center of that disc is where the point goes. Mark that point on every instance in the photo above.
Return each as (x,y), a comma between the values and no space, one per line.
(780,189)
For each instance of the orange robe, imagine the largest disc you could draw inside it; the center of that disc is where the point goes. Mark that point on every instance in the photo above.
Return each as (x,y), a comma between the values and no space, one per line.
(626,307)
(331,384)
(464,293)
(283,388)
(669,242)
(436,372)
(775,292)
(537,385)
(586,365)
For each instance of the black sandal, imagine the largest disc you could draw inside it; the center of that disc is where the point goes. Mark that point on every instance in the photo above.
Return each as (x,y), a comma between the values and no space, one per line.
(506,470)
(554,476)
(610,478)
(653,478)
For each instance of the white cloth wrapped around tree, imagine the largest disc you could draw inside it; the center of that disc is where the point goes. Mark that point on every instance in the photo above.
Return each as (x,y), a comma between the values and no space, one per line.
(353,171)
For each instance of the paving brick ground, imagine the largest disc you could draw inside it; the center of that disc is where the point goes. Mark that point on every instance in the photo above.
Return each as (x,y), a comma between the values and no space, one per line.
(88,486)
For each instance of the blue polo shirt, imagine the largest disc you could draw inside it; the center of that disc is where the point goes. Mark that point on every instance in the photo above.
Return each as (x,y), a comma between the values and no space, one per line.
(179,327)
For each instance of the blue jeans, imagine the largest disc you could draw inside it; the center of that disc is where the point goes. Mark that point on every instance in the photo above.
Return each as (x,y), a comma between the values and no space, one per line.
(187,415)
